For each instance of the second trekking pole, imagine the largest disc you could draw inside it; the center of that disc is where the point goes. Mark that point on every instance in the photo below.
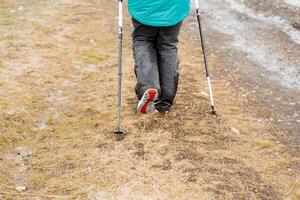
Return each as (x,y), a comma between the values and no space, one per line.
(212,105)
(118,130)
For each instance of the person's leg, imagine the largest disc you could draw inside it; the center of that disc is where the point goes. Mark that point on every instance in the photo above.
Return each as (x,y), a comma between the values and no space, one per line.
(145,56)
(168,62)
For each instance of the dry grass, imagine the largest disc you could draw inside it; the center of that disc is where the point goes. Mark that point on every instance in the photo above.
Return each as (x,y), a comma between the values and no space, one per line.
(92,56)
(264,143)
(6,21)
(58,101)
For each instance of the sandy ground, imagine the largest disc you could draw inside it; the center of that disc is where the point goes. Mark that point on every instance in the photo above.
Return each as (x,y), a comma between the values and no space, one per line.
(58,64)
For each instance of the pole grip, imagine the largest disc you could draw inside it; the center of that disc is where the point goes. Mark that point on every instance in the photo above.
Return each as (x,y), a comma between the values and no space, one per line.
(197,4)
(120,13)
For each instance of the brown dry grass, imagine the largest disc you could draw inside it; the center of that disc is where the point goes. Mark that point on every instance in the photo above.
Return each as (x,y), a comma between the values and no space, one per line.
(58,94)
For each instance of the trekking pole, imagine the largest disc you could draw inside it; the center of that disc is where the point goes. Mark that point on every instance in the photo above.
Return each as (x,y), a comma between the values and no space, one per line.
(118,131)
(212,105)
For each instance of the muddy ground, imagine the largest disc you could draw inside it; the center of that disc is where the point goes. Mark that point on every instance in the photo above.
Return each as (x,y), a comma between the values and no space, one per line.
(58,78)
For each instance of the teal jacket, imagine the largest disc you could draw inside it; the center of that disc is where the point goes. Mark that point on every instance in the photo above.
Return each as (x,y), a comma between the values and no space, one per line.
(159,12)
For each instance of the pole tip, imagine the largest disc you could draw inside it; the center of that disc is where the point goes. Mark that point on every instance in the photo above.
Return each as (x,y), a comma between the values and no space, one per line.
(119,135)
(118,132)
(213,111)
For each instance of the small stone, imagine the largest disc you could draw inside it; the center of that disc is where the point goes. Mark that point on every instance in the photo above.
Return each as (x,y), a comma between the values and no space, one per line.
(204,94)
(23,151)
(235,130)
(20,8)
(296,25)
(42,125)
(21,188)
(92,41)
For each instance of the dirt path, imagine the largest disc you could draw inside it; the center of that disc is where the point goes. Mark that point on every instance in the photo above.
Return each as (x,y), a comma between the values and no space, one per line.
(58,93)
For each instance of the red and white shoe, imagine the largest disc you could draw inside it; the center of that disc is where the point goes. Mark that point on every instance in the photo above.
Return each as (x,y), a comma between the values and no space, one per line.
(146,104)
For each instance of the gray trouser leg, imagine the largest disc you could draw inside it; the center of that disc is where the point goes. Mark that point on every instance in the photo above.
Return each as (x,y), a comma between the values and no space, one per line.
(168,62)
(156,61)
(145,56)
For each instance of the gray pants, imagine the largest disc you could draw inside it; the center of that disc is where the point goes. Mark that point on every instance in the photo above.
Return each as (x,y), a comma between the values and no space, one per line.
(156,61)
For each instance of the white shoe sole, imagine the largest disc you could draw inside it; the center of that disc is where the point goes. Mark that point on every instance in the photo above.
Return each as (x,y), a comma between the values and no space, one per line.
(146,104)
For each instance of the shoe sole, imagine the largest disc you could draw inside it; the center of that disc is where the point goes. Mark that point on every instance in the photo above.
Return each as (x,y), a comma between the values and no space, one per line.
(146,104)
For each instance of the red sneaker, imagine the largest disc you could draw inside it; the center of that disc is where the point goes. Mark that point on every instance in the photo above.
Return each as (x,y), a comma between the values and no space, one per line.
(146,104)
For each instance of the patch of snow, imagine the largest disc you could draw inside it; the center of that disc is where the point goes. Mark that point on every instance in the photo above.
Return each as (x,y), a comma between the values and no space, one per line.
(221,17)
(293,2)
(276,21)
